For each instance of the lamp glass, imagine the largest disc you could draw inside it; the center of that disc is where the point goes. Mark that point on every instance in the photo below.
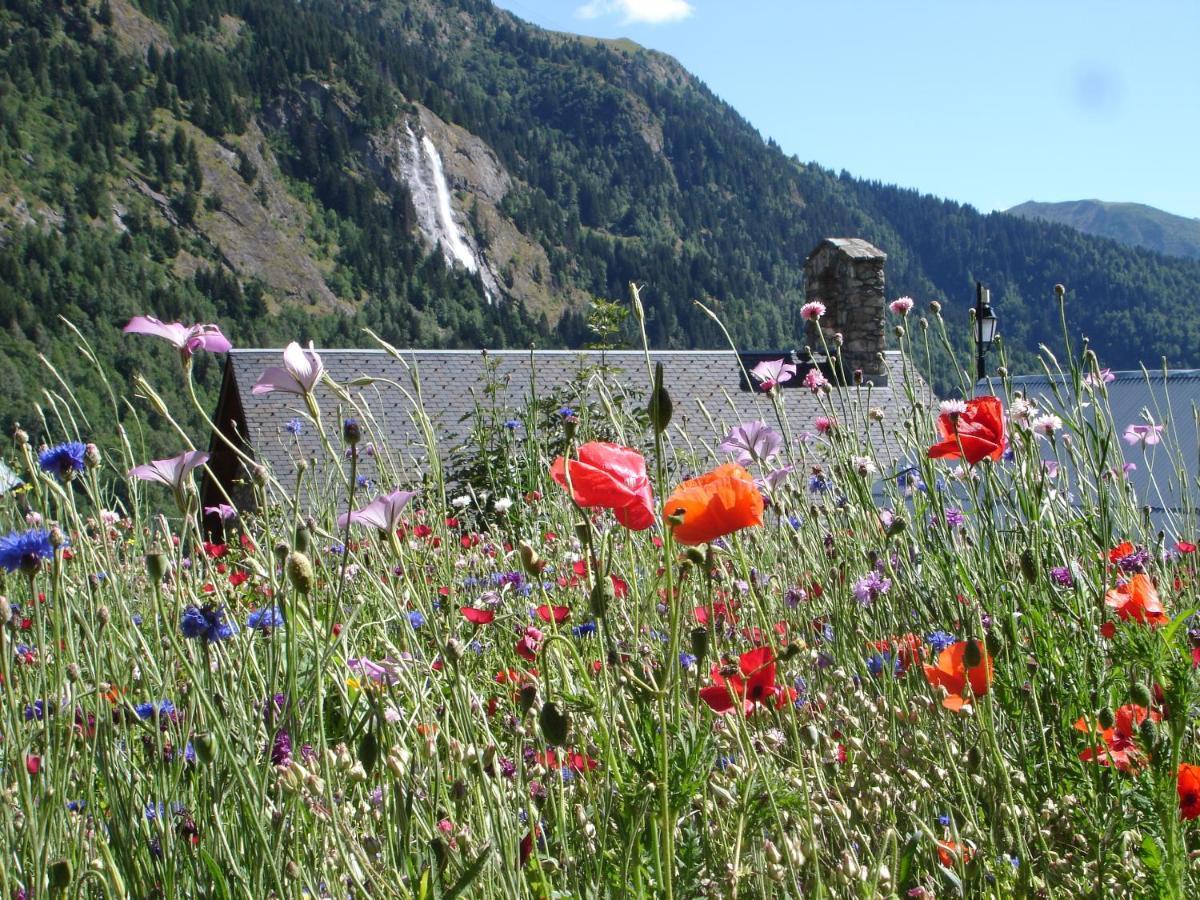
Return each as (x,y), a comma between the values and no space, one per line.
(986,327)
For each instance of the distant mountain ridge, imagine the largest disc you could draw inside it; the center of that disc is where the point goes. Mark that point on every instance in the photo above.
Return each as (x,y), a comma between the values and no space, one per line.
(1132,224)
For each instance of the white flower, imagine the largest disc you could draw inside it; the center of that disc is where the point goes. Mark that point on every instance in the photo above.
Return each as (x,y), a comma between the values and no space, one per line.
(952,407)
(1021,411)
(1047,425)
(502,505)
(864,465)
(461,502)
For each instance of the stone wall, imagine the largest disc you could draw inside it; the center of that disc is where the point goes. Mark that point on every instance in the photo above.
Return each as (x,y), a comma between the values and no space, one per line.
(846,274)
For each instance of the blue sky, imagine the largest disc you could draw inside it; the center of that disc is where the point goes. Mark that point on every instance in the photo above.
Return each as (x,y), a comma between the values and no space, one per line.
(987,103)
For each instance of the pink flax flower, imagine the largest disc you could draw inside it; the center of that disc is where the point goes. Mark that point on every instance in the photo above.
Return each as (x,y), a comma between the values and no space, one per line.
(172,472)
(301,371)
(1143,435)
(382,512)
(771,372)
(187,339)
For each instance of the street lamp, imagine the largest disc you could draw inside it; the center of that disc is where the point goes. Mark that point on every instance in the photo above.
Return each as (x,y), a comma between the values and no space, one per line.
(985,328)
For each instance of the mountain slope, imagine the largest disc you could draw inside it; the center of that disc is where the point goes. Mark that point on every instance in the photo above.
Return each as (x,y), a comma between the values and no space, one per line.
(446,174)
(1132,224)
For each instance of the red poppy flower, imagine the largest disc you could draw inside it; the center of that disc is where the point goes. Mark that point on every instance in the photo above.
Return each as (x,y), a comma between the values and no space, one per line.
(1185,547)
(238,578)
(1137,601)
(558,613)
(1188,786)
(715,504)
(610,477)
(949,852)
(1119,749)
(753,683)
(215,551)
(951,672)
(720,610)
(477,616)
(574,760)
(974,434)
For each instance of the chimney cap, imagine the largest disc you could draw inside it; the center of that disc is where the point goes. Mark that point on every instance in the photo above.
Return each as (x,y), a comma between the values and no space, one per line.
(855,248)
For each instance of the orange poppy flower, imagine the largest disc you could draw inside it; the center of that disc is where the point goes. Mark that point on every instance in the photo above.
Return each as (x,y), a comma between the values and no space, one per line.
(973,434)
(715,504)
(1137,601)
(1188,786)
(1119,749)
(951,672)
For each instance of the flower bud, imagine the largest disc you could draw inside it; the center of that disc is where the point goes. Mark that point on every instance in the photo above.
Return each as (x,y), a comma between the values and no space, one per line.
(351,432)
(699,638)
(1060,291)
(1106,717)
(526,696)
(660,407)
(103,616)
(935,307)
(1029,568)
(91,456)
(21,437)
(554,723)
(59,875)
(1148,729)
(302,541)
(368,751)
(972,656)
(601,595)
(993,643)
(299,570)
(530,561)
(156,566)
(205,747)
(1140,694)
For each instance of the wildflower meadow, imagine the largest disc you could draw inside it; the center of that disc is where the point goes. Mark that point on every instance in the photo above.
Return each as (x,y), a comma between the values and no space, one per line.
(950,653)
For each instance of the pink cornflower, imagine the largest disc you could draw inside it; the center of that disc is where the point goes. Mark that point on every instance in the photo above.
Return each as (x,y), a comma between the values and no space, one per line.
(812,310)
(824,424)
(901,306)
(187,339)
(814,380)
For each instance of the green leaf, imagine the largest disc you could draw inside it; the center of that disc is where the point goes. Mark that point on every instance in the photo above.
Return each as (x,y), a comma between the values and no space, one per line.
(469,876)
(1177,623)
(1151,854)
(218,877)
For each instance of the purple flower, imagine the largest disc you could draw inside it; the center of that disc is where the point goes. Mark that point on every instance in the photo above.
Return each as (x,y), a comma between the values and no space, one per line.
(386,671)
(207,623)
(1134,562)
(187,340)
(171,472)
(222,511)
(751,441)
(301,371)
(281,748)
(870,587)
(1061,576)
(1143,435)
(771,372)
(382,512)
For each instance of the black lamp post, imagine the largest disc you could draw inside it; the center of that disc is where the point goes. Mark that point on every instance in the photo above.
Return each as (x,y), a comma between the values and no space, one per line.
(985,328)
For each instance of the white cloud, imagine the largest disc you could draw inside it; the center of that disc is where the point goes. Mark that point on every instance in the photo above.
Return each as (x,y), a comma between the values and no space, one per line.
(650,12)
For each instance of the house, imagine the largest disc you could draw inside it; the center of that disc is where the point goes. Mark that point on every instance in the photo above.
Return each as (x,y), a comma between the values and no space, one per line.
(397,395)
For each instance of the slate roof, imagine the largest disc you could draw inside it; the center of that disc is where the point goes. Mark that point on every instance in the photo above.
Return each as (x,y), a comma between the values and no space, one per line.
(702,384)
(855,248)
(1170,398)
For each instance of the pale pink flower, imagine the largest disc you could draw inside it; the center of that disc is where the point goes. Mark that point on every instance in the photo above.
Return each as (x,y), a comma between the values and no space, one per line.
(382,512)
(1047,425)
(186,339)
(222,511)
(814,380)
(1143,435)
(301,371)
(812,311)
(172,472)
(771,372)
(1094,380)
(901,306)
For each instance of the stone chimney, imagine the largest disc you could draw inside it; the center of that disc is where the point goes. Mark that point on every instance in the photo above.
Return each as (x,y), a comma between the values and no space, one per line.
(846,274)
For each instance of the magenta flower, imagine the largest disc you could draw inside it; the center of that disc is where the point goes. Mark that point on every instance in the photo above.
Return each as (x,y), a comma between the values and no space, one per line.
(186,339)
(751,441)
(382,512)
(771,372)
(172,472)
(1143,435)
(301,371)
(812,310)
(901,306)
(814,380)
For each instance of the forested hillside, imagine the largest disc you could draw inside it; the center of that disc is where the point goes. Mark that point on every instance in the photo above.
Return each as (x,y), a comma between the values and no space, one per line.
(248,162)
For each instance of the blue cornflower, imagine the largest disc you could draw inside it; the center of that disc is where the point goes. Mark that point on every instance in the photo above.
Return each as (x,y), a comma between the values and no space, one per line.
(36,710)
(416,619)
(583,630)
(877,663)
(63,460)
(207,622)
(265,619)
(940,640)
(944,820)
(162,709)
(363,481)
(25,551)
(294,427)
(724,762)
(76,805)
(566,412)
(818,484)
(512,424)
(687,660)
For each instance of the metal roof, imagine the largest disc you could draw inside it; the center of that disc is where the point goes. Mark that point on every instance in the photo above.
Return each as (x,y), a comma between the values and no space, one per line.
(705,387)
